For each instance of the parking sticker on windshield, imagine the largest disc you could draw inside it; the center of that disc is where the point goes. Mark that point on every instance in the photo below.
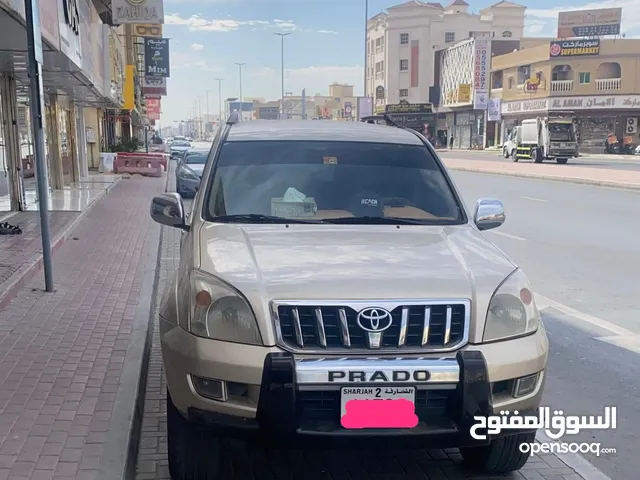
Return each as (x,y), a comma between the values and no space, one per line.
(330,160)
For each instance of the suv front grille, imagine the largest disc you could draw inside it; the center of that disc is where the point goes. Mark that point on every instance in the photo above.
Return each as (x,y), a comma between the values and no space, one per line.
(424,326)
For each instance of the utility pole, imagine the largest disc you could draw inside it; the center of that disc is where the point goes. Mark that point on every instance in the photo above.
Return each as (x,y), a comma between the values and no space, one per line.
(206,120)
(240,64)
(282,35)
(219,80)
(34,45)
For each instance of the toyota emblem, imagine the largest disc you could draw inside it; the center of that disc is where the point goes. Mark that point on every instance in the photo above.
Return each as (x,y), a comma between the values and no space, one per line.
(374,319)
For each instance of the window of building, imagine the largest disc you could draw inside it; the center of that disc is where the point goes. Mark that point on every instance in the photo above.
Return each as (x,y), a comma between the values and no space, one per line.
(449,37)
(404,65)
(404,39)
(585,77)
(507,34)
(404,92)
(511,82)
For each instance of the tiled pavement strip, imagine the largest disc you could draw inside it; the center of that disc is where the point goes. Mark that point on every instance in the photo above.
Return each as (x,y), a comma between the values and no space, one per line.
(62,354)
(251,463)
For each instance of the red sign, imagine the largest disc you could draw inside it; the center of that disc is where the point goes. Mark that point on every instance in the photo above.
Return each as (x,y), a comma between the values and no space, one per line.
(153,108)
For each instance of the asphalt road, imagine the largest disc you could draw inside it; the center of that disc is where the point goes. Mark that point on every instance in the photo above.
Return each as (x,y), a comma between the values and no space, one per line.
(579,246)
(592,161)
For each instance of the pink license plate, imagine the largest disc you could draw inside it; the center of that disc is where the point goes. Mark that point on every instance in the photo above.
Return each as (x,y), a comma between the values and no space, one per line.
(378,407)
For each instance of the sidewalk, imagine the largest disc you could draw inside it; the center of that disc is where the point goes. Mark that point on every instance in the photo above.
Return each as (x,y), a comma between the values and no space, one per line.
(70,360)
(563,173)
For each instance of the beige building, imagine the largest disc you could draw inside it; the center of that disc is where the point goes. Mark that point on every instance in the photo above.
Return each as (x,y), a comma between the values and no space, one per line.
(597,80)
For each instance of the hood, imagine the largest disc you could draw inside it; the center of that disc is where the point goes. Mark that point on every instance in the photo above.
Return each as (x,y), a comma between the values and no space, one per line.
(196,168)
(347,262)
(179,148)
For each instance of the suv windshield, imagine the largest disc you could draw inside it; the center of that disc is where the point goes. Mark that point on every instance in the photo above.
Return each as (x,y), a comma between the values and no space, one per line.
(326,181)
(180,143)
(196,158)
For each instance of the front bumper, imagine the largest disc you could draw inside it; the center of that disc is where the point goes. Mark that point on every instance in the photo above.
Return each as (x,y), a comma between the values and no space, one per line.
(288,396)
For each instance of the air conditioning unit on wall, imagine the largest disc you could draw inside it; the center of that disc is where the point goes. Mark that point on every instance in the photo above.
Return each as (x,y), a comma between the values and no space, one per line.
(631,126)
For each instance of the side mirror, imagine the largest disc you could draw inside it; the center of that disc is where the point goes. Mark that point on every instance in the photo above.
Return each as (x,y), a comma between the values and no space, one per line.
(168,209)
(489,213)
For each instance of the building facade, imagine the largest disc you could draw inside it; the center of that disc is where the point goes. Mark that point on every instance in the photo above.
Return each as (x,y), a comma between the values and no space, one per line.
(402,42)
(83,77)
(595,80)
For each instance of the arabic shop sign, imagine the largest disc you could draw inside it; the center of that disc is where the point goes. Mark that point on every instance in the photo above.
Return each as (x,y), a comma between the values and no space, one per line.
(589,23)
(156,57)
(612,102)
(409,108)
(574,48)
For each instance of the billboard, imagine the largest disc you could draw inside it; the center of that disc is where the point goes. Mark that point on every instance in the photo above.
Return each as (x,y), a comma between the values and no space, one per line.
(137,11)
(493,110)
(156,57)
(589,23)
(236,106)
(574,48)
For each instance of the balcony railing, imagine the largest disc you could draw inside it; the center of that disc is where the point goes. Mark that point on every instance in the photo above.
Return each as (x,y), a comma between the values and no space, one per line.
(608,84)
(562,85)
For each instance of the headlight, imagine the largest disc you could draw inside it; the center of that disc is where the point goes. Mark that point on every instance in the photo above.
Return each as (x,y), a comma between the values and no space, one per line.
(219,312)
(512,310)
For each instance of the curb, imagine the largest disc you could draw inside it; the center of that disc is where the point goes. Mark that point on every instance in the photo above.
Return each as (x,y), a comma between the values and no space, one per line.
(118,463)
(579,181)
(18,279)
(574,461)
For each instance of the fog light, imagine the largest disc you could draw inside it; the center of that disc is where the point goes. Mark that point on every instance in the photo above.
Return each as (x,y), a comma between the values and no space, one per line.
(525,385)
(209,388)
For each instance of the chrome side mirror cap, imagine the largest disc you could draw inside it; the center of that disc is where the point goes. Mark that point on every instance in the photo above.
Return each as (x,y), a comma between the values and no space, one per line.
(489,214)
(168,209)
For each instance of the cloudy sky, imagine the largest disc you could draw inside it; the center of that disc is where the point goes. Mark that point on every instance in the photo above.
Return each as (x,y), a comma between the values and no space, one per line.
(325,45)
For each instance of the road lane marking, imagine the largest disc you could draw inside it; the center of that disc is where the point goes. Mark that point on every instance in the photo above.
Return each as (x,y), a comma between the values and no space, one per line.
(508,235)
(629,343)
(536,199)
(578,318)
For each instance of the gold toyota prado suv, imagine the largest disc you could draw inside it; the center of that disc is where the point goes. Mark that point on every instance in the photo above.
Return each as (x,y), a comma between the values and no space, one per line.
(333,286)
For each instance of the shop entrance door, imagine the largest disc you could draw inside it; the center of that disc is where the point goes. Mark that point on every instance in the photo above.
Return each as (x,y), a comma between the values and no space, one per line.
(11,179)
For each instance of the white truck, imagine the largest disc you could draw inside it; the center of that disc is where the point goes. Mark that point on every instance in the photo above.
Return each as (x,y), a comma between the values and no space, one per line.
(545,138)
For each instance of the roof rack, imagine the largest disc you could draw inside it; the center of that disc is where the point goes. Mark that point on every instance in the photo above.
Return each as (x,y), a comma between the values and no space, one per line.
(233,118)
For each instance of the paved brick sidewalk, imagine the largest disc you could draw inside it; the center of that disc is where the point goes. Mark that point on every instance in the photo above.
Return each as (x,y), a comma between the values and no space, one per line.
(17,251)
(62,354)
(251,463)
(571,173)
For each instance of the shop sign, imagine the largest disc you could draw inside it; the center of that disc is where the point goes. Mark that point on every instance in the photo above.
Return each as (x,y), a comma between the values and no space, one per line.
(49,23)
(69,26)
(153,108)
(531,85)
(409,108)
(154,86)
(137,11)
(525,106)
(481,67)
(380,108)
(156,57)
(379,92)
(147,30)
(464,93)
(129,88)
(589,23)
(574,48)
(493,110)
(612,102)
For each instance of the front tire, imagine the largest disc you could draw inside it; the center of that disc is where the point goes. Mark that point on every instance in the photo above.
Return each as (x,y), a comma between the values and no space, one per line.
(536,156)
(193,454)
(505,153)
(501,456)
(514,155)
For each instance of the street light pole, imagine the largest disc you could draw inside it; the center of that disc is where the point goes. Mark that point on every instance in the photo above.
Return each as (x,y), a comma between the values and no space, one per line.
(240,64)
(282,35)
(219,80)
(206,122)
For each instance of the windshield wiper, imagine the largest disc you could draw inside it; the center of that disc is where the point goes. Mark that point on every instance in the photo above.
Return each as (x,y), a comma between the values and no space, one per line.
(259,218)
(380,221)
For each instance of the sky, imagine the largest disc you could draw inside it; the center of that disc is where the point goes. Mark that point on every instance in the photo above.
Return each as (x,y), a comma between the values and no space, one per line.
(325,45)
